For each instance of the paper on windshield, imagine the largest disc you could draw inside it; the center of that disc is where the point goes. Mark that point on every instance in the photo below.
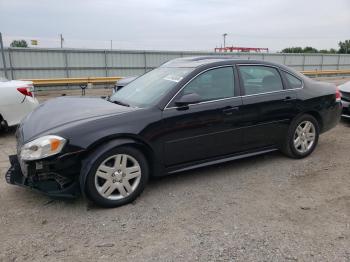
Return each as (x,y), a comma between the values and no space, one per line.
(173,78)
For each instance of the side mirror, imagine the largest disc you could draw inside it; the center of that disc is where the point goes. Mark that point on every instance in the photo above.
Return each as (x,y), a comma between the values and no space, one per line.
(185,100)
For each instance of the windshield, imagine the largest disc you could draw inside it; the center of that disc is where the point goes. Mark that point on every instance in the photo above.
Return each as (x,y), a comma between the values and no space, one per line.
(147,90)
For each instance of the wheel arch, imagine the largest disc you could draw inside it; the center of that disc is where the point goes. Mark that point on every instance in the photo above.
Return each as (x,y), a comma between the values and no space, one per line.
(317,116)
(94,151)
(3,123)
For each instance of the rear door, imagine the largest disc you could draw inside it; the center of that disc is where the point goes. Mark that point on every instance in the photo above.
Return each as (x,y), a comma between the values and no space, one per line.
(206,129)
(268,105)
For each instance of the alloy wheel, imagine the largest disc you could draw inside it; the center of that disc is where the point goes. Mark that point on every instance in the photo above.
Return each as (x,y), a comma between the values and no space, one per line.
(118,176)
(304,137)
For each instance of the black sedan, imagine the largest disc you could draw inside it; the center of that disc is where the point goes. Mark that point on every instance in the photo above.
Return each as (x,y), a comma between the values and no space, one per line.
(188,113)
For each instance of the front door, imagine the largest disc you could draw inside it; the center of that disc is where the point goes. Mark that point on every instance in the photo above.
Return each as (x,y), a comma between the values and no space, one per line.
(206,129)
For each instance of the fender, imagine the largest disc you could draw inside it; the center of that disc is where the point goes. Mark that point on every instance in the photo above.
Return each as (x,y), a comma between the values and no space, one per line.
(87,162)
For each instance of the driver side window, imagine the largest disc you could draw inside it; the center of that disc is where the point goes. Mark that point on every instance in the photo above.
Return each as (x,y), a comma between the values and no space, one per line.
(213,84)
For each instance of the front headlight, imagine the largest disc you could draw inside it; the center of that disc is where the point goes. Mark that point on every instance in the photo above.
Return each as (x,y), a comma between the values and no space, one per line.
(42,147)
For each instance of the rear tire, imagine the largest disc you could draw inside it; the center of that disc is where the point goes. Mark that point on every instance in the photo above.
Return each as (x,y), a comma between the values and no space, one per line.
(302,137)
(3,124)
(117,177)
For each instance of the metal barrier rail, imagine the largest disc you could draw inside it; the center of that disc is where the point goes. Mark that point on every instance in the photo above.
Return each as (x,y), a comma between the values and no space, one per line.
(325,72)
(74,81)
(111,80)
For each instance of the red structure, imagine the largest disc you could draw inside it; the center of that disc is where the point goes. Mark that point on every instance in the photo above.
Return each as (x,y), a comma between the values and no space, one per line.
(241,49)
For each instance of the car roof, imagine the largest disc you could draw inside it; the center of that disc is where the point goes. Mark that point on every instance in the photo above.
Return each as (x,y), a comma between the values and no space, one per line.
(198,61)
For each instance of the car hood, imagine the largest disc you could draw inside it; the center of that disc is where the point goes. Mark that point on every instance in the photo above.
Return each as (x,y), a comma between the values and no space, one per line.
(67,110)
(345,87)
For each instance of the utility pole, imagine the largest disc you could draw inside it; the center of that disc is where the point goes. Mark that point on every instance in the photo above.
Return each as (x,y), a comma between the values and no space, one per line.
(111,44)
(61,40)
(224,35)
(3,55)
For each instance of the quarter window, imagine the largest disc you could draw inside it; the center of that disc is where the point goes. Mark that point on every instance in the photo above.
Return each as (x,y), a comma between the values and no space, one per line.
(293,81)
(213,84)
(260,79)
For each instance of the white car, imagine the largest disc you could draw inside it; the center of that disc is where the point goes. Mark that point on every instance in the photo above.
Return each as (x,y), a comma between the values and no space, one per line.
(16,101)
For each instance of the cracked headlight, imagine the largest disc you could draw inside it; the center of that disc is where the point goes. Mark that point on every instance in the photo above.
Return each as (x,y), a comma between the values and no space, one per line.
(42,147)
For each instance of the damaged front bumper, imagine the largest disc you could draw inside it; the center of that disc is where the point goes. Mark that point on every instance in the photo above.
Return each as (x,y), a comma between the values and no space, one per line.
(48,182)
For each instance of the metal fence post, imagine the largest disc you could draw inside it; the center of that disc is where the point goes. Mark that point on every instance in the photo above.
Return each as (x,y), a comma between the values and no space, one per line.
(145,60)
(322,58)
(10,61)
(3,56)
(66,62)
(303,62)
(338,65)
(106,68)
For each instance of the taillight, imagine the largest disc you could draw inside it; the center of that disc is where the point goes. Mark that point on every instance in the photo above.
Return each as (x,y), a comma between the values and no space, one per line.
(337,95)
(25,91)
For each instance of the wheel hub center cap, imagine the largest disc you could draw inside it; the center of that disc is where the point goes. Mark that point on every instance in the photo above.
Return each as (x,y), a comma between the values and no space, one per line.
(117,177)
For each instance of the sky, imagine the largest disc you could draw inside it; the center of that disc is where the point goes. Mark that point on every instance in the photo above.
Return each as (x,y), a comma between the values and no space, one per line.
(177,24)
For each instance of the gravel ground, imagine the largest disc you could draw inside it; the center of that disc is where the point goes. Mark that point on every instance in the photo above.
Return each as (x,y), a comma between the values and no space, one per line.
(265,208)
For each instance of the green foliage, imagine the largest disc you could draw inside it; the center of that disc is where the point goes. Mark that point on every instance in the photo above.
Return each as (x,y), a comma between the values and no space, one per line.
(344,47)
(19,43)
(299,49)
(310,49)
(292,50)
(332,51)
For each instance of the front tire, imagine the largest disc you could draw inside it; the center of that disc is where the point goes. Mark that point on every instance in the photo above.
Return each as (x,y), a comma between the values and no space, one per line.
(117,177)
(302,137)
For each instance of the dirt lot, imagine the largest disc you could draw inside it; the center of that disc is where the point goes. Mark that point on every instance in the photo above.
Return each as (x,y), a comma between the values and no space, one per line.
(265,208)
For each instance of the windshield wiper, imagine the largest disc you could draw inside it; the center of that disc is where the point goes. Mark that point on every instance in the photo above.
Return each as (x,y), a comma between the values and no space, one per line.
(119,103)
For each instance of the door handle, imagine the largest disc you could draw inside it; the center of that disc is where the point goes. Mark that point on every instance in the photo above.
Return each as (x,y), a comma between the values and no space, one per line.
(229,111)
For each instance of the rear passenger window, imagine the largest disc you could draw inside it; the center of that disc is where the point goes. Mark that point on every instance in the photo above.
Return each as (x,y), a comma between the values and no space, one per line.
(293,81)
(260,79)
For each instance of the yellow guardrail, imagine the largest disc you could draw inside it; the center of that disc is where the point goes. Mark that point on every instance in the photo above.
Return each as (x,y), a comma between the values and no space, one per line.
(325,72)
(111,80)
(74,81)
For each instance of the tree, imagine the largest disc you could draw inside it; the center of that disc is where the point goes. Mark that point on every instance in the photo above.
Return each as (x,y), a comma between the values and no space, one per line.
(310,49)
(324,51)
(19,43)
(293,50)
(344,47)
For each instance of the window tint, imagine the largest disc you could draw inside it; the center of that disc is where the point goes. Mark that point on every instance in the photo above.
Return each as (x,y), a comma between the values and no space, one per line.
(213,84)
(293,82)
(260,79)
